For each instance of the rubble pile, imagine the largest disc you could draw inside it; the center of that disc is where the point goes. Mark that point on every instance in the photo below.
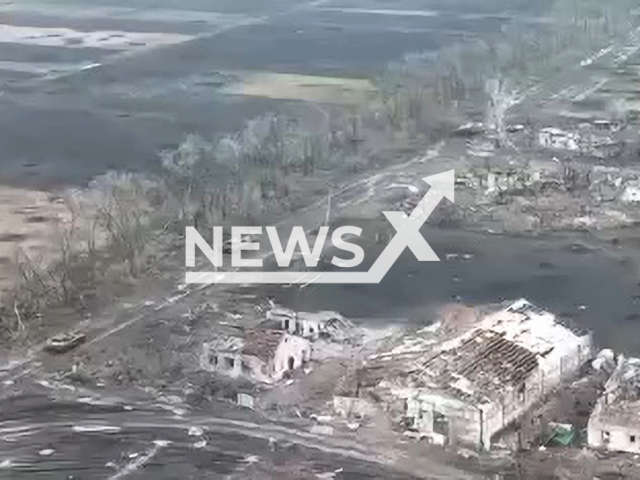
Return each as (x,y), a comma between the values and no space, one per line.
(596,139)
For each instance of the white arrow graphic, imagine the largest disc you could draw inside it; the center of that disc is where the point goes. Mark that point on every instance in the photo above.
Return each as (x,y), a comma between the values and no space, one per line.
(407,236)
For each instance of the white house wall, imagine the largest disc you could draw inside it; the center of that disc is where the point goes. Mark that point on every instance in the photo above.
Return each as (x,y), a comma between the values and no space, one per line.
(291,347)
(616,438)
(463,420)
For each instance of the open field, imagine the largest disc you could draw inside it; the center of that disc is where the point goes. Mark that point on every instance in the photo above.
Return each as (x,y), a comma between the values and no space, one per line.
(72,109)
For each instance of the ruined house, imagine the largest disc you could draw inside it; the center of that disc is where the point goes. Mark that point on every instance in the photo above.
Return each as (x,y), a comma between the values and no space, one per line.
(467,388)
(615,422)
(262,354)
(270,353)
(311,325)
(285,317)
(557,139)
(223,355)
(598,138)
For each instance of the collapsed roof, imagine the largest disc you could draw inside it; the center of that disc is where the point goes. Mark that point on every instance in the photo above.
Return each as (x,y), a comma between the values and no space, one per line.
(620,402)
(503,348)
(262,342)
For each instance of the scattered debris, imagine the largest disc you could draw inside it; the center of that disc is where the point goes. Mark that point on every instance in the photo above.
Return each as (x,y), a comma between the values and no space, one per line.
(558,139)
(562,434)
(246,400)
(515,128)
(605,360)
(615,422)
(631,193)
(348,407)
(595,139)
(96,428)
(322,430)
(466,453)
(326,475)
(469,129)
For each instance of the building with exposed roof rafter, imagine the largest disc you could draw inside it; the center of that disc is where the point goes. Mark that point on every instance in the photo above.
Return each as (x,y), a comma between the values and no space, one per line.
(469,388)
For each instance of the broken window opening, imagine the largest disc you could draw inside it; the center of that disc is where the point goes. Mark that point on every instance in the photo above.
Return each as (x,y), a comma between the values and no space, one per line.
(286,324)
(632,439)
(440,424)
(291,363)
(228,363)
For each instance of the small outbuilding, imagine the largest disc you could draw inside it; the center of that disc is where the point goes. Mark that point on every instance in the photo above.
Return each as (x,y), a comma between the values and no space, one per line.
(615,422)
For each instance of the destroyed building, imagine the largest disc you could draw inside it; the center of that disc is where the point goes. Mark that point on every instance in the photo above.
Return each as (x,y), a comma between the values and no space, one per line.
(598,138)
(262,354)
(615,422)
(223,355)
(310,325)
(467,387)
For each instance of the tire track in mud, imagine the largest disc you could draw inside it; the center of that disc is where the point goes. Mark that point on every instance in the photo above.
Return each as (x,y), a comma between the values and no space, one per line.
(176,431)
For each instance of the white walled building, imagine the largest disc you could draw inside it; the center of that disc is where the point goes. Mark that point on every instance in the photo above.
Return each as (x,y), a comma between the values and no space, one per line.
(468,388)
(615,422)
(292,353)
(262,354)
(311,325)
